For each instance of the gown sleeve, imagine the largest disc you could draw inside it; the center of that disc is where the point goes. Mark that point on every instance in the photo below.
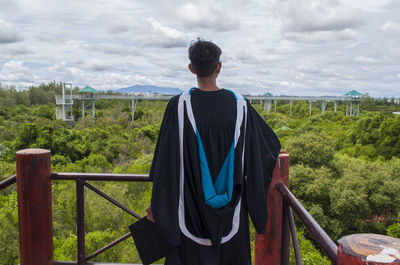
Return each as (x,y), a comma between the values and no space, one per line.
(164,173)
(261,152)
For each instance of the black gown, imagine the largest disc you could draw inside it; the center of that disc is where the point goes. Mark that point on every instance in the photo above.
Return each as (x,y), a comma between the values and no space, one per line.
(215,116)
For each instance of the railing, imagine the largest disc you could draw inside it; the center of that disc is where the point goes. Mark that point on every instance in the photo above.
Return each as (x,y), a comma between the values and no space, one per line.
(80,179)
(34,178)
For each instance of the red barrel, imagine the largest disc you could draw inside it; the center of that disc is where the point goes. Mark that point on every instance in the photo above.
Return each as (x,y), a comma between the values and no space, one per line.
(371,249)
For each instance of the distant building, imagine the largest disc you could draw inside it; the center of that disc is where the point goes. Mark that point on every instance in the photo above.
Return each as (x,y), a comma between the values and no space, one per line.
(353,94)
(87,94)
(88,90)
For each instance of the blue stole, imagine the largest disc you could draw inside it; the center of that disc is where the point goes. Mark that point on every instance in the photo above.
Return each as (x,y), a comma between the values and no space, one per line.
(218,194)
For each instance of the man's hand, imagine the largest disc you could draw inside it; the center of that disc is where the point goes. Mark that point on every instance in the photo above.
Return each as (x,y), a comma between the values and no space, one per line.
(149,214)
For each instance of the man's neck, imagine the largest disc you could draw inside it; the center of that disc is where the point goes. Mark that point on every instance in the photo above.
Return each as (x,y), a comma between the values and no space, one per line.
(207,84)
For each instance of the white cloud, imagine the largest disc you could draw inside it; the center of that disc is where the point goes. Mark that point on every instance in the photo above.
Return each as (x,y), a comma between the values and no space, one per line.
(113,24)
(208,16)
(14,71)
(317,72)
(245,56)
(8,34)
(14,52)
(9,5)
(364,59)
(321,36)
(316,16)
(156,34)
(398,76)
(112,44)
(111,49)
(97,65)
(391,26)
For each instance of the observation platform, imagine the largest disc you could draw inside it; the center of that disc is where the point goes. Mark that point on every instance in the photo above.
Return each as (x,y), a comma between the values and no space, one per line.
(34,182)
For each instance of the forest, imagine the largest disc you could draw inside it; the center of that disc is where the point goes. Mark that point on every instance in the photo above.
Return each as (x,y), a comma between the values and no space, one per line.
(345,170)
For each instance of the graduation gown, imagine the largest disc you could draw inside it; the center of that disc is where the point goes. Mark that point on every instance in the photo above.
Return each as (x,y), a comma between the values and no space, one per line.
(225,229)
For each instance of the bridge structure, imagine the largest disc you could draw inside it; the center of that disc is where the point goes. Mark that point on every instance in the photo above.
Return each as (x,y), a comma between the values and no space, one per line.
(34,188)
(352,103)
(65,101)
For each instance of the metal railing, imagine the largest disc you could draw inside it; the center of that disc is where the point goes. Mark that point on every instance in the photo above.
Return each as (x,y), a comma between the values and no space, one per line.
(81,182)
(34,178)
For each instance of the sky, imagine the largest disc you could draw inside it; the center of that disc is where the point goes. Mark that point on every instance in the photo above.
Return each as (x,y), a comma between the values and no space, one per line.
(286,47)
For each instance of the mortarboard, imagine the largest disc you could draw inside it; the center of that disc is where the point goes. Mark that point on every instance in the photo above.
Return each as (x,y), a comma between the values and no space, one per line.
(149,243)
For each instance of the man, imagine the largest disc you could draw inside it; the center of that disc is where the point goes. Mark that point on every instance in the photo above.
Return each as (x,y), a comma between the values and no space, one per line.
(212,166)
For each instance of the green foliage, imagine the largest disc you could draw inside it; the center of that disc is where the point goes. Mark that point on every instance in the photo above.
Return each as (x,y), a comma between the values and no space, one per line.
(374,136)
(311,149)
(394,229)
(44,111)
(344,170)
(309,254)
(9,248)
(351,196)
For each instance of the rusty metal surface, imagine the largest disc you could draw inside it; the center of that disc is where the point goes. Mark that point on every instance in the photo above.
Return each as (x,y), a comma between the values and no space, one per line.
(268,247)
(110,199)
(320,236)
(369,249)
(98,252)
(294,236)
(80,220)
(8,182)
(285,236)
(34,207)
(101,177)
(80,179)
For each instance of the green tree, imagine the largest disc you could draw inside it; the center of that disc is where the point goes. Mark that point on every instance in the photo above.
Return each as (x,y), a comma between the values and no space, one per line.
(311,149)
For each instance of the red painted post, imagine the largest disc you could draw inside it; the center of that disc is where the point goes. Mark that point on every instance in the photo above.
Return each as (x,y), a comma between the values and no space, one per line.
(34,207)
(368,249)
(268,247)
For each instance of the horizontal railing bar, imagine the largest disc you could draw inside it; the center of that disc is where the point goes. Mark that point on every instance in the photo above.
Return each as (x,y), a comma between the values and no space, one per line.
(100,176)
(90,263)
(113,201)
(322,238)
(98,252)
(7,182)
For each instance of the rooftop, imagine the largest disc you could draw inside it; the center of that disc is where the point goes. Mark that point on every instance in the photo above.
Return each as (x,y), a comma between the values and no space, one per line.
(88,89)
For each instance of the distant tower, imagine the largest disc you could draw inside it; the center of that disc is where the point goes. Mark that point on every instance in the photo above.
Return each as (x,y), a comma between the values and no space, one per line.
(87,94)
(64,104)
(353,103)
(268,102)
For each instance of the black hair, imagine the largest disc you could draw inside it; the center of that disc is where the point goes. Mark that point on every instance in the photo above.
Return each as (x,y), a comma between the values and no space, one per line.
(204,57)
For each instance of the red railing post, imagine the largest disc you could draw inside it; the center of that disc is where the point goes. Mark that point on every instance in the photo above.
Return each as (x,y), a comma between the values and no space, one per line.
(268,247)
(34,207)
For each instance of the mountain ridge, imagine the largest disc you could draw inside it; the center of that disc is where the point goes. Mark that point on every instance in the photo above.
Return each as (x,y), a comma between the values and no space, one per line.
(149,89)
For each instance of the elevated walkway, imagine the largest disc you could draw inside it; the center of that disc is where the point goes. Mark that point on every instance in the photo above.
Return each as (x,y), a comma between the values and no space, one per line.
(352,103)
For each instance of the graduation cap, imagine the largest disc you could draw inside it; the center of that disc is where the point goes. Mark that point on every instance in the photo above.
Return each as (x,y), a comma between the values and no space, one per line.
(150,245)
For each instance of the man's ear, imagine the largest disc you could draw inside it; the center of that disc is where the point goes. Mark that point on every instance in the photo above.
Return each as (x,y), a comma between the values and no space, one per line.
(190,66)
(218,69)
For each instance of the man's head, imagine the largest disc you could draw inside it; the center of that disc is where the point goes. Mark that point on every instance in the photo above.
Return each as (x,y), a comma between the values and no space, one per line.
(204,58)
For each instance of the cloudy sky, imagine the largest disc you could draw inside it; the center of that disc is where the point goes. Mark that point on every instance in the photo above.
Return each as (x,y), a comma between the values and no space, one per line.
(290,47)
